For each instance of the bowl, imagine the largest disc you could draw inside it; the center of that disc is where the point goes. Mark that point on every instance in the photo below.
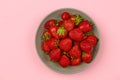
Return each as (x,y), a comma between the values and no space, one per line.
(45,58)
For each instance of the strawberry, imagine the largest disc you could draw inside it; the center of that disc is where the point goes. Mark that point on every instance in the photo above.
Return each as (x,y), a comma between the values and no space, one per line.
(77,19)
(55,54)
(66,44)
(92,39)
(53,43)
(64,61)
(75,62)
(69,24)
(76,34)
(85,26)
(86,46)
(75,52)
(45,46)
(65,16)
(46,35)
(53,31)
(62,32)
(86,57)
(50,23)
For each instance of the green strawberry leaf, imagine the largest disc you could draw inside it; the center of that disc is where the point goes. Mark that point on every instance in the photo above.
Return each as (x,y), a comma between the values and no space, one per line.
(45,37)
(78,19)
(92,24)
(61,30)
(57,43)
(89,33)
(56,22)
(67,54)
(83,53)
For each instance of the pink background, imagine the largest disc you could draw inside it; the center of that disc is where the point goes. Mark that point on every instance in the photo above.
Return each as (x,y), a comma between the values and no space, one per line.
(19,20)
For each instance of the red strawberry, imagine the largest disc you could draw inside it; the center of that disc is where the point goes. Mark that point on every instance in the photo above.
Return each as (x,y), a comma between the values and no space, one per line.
(45,46)
(50,23)
(66,44)
(64,61)
(53,43)
(69,24)
(92,39)
(86,46)
(65,16)
(86,57)
(75,62)
(76,34)
(62,32)
(46,35)
(85,26)
(55,54)
(75,52)
(53,31)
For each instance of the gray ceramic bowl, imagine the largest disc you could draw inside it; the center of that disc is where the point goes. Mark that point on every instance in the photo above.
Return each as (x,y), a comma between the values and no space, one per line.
(45,58)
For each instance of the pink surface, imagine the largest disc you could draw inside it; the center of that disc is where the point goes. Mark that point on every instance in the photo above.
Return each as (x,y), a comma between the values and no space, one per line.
(19,20)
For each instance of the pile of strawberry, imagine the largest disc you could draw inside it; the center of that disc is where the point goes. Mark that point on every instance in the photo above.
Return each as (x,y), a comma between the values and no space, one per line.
(69,41)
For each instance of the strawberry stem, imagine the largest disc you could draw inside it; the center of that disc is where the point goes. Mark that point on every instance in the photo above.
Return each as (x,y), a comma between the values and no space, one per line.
(57,43)
(78,19)
(83,53)
(89,33)
(46,36)
(61,30)
(67,54)
(56,22)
